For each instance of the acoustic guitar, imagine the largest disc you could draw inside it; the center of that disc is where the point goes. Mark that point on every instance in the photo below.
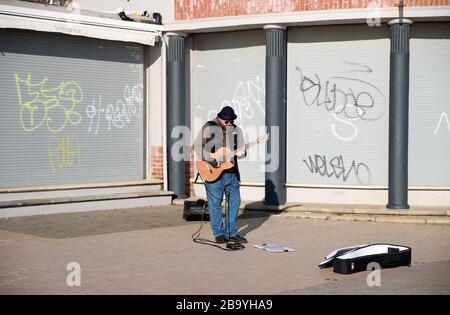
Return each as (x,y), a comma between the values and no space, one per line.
(210,173)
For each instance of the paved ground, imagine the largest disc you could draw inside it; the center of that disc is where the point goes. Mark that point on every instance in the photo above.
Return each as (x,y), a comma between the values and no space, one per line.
(150,251)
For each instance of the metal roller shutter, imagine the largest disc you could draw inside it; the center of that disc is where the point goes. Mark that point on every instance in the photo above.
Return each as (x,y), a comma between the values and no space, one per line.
(429,115)
(229,69)
(72,109)
(338,93)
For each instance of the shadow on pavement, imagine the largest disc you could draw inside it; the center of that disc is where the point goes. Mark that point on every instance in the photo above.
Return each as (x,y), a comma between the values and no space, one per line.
(77,224)
(250,220)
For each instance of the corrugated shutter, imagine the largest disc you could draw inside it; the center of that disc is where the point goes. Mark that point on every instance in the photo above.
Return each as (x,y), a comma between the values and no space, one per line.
(72,109)
(429,116)
(338,93)
(229,69)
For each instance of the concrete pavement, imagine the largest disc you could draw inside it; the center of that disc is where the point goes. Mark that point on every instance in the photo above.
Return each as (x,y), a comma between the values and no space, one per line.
(150,251)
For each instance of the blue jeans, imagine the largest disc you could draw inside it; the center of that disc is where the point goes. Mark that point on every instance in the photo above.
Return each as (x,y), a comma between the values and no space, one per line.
(227,183)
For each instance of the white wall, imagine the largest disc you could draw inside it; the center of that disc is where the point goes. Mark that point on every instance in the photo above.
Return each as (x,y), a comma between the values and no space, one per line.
(342,196)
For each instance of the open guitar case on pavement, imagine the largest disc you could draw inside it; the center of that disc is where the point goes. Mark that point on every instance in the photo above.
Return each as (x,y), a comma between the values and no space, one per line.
(357,258)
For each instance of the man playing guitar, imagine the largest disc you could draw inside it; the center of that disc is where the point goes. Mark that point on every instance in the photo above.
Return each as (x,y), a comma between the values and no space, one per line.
(218,146)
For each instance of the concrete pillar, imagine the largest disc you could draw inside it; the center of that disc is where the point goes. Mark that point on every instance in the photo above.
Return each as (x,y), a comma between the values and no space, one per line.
(275,189)
(398,115)
(176,117)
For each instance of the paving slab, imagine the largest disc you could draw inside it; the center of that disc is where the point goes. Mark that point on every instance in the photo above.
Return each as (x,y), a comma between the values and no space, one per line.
(150,251)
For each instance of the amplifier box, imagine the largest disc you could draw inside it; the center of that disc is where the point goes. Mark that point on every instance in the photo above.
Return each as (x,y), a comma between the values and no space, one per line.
(196,210)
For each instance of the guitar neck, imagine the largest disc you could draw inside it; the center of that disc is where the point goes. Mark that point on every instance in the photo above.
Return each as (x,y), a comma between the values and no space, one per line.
(248,145)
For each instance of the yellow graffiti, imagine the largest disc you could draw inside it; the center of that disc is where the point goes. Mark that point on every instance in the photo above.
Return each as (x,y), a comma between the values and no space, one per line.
(53,107)
(64,152)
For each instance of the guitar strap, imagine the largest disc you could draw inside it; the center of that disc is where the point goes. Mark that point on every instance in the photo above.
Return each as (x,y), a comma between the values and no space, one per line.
(196,177)
(205,140)
(235,157)
(235,147)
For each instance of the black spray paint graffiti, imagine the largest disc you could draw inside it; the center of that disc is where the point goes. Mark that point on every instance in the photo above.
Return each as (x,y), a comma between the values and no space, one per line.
(355,102)
(335,167)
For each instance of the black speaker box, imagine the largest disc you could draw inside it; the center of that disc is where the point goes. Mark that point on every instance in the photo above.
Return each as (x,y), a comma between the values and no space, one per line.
(196,210)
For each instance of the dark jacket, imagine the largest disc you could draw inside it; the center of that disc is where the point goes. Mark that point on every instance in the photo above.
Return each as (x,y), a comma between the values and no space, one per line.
(212,137)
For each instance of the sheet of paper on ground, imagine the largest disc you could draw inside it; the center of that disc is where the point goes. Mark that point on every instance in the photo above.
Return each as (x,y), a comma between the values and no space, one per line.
(276,248)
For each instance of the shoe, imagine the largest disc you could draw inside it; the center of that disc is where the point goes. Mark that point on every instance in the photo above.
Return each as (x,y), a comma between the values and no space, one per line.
(221,239)
(238,239)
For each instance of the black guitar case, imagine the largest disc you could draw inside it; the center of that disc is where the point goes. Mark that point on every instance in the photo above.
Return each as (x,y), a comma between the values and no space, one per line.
(356,258)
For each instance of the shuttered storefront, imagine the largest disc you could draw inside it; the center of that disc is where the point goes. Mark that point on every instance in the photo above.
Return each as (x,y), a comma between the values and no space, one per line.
(72,109)
(229,69)
(429,114)
(338,93)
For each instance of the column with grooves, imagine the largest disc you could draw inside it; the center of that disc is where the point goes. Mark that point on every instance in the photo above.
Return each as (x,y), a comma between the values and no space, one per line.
(398,115)
(176,149)
(275,178)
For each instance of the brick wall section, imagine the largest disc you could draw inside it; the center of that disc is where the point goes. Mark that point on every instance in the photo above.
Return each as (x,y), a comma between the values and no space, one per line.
(198,9)
(190,174)
(158,168)
(157,162)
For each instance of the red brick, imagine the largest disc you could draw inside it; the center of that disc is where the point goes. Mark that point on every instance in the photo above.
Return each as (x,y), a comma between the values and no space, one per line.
(217,8)
(177,10)
(240,8)
(336,5)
